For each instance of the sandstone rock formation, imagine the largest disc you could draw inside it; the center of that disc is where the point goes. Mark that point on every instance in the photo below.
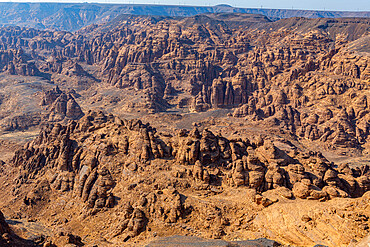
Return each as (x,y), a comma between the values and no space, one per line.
(250,120)
(104,163)
(4,228)
(205,62)
(80,160)
(8,238)
(54,106)
(62,106)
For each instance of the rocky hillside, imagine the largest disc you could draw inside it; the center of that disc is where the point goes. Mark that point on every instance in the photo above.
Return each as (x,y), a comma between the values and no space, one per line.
(249,120)
(71,17)
(120,180)
(8,238)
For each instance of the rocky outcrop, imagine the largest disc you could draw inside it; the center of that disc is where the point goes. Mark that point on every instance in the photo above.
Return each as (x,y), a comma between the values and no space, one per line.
(16,62)
(64,106)
(8,238)
(4,228)
(95,159)
(61,105)
(64,67)
(82,160)
(275,75)
(55,106)
(294,85)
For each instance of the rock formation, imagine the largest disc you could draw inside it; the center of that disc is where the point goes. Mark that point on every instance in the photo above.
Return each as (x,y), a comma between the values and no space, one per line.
(272,82)
(92,160)
(280,129)
(8,238)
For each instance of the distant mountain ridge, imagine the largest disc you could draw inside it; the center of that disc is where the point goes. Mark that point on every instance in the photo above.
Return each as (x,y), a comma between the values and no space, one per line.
(73,16)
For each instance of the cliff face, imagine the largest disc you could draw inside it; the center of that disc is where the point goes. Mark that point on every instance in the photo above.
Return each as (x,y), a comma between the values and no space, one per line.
(71,17)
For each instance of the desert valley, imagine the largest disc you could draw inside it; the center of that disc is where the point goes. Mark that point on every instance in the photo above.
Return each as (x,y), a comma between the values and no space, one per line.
(222,127)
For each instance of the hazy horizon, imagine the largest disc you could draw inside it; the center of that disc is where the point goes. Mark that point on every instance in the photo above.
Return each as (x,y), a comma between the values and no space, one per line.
(330,5)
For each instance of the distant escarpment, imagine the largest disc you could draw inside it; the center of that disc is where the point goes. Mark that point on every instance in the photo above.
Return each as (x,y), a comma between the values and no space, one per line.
(73,16)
